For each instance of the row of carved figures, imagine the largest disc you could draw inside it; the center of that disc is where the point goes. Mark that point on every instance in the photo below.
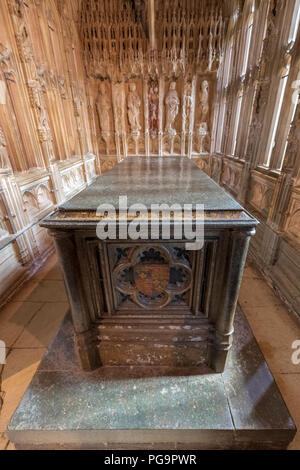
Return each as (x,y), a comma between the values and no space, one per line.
(133,105)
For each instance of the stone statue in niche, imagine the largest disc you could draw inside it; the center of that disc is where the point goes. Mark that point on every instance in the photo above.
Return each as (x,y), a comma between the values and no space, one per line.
(3,151)
(133,109)
(153,106)
(172,108)
(202,134)
(104,108)
(204,106)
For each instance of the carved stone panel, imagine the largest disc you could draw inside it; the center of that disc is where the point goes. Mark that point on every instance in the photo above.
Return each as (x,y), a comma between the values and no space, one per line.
(231,176)
(292,226)
(172,105)
(134,107)
(151,277)
(203,116)
(37,201)
(261,192)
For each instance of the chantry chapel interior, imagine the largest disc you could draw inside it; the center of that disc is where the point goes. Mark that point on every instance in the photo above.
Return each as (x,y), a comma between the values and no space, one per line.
(84,84)
(87,84)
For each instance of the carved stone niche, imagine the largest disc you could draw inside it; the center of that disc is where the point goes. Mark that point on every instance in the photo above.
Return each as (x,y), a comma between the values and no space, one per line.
(171,144)
(202,123)
(261,192)
(5,227)
(153,106)
(201,142)
(172,107)
(292,226)
(134,106)
(151,277)
(154,149)
(105,116)
(231,176)
(4,161)
(37,201)
(216,168)
(72,180)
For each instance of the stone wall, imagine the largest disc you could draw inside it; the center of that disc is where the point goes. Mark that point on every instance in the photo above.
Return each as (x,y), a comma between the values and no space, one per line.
(256,146)
(48,145)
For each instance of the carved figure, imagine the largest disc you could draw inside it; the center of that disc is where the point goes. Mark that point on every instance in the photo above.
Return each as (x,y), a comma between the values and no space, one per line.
(103,108)
(35,93)
(204,105)
(3,151)
(172,108)
(133,108)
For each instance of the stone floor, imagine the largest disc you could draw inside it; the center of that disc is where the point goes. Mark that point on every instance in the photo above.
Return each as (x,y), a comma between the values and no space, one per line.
(30,321)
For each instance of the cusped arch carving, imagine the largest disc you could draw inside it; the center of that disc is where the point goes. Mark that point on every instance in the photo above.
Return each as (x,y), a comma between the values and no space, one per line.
(43,195)
(30,202)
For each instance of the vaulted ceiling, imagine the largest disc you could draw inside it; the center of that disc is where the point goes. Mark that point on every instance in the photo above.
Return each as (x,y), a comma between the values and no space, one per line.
(130,35)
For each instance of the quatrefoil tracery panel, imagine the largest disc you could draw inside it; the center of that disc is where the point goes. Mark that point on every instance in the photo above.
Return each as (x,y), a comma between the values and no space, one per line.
(152,277)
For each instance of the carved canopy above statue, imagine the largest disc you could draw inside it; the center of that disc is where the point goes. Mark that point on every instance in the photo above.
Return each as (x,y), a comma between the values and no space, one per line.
(146,36)
(152,68)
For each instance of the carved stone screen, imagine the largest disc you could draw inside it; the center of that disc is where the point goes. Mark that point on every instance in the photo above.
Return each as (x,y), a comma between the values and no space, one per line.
(154,90)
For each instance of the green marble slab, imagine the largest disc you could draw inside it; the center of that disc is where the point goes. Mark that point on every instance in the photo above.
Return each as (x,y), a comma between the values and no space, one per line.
(153,180)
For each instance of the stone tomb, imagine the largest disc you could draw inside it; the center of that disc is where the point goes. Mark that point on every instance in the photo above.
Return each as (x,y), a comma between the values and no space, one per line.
(152,301)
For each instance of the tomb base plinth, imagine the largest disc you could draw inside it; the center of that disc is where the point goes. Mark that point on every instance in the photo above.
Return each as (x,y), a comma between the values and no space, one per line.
(152,407)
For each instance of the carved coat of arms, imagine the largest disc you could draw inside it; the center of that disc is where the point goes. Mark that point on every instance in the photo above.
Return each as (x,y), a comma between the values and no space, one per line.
(151,278)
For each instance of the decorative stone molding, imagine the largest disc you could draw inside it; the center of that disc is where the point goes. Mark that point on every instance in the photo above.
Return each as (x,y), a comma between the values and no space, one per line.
(6,62)
(122,48)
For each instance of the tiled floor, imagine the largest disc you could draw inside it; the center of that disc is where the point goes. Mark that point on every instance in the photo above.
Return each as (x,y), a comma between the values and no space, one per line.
(29,322)
(27,326)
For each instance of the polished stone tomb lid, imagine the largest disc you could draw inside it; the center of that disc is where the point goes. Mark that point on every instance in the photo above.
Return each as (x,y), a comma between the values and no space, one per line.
(153,180)
(147,181)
